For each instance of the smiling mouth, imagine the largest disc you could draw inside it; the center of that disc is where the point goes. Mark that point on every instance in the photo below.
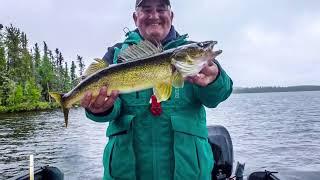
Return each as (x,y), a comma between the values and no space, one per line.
(154,24)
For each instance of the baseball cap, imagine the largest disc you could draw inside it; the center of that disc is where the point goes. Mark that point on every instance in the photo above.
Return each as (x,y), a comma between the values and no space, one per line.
(138,2)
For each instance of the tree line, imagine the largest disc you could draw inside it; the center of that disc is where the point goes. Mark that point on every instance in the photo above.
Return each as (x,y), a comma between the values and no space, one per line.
(28,74)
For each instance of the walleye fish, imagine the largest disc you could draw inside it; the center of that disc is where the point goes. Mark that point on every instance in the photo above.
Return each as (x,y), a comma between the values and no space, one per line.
(143,66)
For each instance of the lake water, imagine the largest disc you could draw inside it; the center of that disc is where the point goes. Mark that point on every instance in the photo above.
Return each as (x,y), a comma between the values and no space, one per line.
(273,131)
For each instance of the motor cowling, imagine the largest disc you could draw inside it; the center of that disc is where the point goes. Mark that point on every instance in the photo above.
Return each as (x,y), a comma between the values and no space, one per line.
(222,149)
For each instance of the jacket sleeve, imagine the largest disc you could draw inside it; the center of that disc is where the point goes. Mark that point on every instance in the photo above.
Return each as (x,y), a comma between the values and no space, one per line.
(217,91)
(107,116)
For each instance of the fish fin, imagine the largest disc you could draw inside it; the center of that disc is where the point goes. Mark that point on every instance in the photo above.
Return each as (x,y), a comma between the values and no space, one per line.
(59,100)
(162,91)
(177,80)
(95,66)
(141,50)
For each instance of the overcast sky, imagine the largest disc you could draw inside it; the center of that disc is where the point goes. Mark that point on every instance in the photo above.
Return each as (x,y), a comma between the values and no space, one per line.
(265,42)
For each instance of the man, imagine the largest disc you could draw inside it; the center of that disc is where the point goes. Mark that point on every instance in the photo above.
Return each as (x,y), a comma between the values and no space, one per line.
(173,143)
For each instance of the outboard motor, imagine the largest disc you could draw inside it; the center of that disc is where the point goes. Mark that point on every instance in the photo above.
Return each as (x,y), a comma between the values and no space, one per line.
(221,145)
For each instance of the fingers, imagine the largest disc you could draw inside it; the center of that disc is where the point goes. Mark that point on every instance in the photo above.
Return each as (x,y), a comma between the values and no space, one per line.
(210,62)
(100,99)
(206,75)
(114,94)
(101,103)
(85,101)
(210,69)
(199,79)
(110,100)
(190,79)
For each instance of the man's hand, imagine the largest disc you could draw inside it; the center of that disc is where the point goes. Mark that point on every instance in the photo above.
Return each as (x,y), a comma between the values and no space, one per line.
(101,103)
(207,75)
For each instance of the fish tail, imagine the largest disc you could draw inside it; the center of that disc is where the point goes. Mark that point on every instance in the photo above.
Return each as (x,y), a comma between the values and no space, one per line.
(59,100)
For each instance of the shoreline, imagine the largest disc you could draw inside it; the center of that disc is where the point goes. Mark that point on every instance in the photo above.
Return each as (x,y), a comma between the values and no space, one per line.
(42,106)
(251,92)
(28,107)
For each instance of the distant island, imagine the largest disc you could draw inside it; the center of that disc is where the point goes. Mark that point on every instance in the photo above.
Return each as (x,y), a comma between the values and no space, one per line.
(267,89)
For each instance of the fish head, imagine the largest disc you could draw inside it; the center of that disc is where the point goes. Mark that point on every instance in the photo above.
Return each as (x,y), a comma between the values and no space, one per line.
(201,50)
(191,58)
(198,51)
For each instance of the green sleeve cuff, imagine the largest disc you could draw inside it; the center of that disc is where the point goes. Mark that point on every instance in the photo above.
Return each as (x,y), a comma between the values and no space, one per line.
(106,117)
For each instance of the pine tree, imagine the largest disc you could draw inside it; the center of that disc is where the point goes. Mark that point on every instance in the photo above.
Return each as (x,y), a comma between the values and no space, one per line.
(26,76)
(4,79)
(13,45)
(45,49)
(81,65)
(26,63)
(67,82)
(3,62)
(73,74)
(46,73)
(60,60)
(50,54)
(57,53)
(23,40)
(36,56)
(60,71)
(36,63)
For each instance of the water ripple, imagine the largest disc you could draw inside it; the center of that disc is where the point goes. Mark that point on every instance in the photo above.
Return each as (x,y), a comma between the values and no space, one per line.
(274,131)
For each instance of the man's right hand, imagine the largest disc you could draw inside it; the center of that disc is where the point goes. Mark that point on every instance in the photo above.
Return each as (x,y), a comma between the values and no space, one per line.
(101,103)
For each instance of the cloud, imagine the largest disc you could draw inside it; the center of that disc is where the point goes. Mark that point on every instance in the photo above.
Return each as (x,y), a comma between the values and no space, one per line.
(277,57)
(75,27)
(264,42)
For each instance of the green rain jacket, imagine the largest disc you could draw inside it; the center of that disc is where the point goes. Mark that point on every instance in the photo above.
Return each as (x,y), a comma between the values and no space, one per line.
(173,145)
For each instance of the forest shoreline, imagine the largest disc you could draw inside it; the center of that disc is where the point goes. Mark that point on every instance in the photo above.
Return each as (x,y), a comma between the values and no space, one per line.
(28,107)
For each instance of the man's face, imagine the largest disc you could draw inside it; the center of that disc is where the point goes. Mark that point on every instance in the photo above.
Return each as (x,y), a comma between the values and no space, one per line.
(153,19)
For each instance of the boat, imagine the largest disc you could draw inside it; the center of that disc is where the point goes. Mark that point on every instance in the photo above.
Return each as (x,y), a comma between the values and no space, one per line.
(222,148)
(42,173)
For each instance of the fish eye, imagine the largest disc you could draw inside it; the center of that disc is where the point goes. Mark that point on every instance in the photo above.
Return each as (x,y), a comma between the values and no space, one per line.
(200,44)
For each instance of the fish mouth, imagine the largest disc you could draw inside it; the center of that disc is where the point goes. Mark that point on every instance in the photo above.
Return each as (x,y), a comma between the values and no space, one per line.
(207,45)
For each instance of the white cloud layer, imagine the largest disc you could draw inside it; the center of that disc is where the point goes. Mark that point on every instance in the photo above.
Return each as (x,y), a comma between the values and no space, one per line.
(272,42)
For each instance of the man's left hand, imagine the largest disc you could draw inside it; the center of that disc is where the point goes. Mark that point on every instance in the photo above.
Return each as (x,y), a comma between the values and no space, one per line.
(207,75)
